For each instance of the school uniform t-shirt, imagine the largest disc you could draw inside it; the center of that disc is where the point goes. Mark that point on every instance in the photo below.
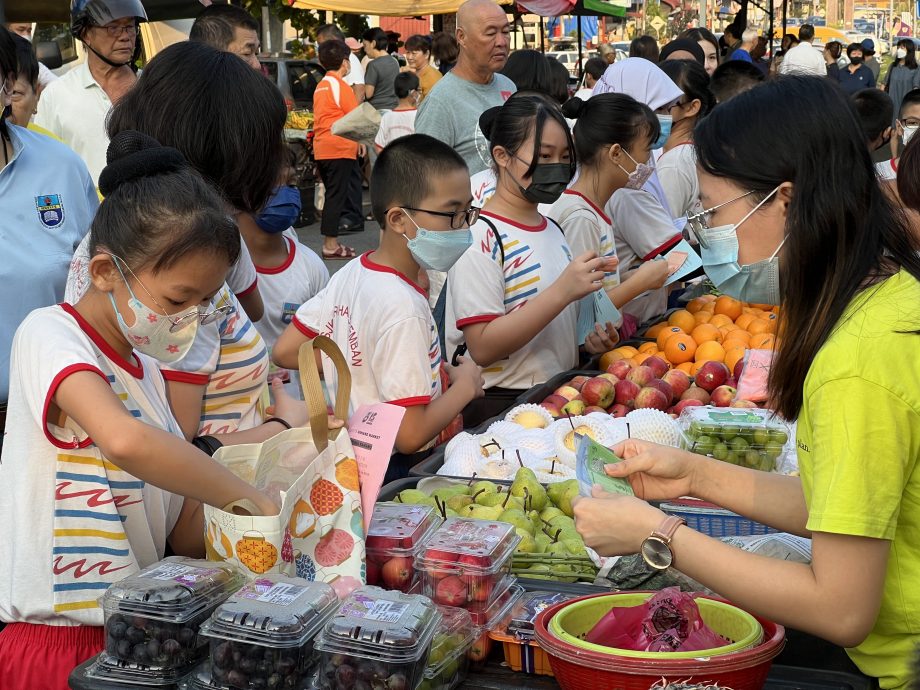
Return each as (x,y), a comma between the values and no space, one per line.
(381,321)
(677,174)
(75,522)
(586,228)
(395,124)
(481,289)
(887,170)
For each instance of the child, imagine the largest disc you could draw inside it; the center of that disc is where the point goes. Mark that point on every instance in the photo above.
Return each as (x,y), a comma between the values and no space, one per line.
(289,273)
(512,297)
(876,111)
(733,78)
(613,131)
(377,314)
(907,125)
(401,120)
(94,466)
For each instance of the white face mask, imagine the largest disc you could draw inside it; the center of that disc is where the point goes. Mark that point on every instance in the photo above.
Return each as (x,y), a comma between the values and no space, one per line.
(909,133)
(900,53)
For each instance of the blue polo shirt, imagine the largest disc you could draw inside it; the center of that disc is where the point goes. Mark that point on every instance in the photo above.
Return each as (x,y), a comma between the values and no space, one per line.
(851,82)
(47,202)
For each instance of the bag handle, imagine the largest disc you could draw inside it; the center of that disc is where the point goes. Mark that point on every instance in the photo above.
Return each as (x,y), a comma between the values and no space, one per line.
(313,389)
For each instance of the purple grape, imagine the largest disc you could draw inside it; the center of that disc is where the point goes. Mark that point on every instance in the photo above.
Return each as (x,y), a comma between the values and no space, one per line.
(237,678)
(153,649)
(397,682)
(171,648)
(345,677)
(187,636)
(135,635)
(223,654)
(247,665)
(123,650)
(116,628)
(140,653)
(274,681)
(139,622)
(285,665)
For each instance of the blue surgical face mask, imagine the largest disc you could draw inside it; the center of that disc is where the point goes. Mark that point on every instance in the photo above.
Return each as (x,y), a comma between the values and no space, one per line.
(665,121)
(281,211)
(438,250)
(757,282)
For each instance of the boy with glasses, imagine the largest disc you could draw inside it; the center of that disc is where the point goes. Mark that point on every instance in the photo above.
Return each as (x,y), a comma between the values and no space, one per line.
(907,124)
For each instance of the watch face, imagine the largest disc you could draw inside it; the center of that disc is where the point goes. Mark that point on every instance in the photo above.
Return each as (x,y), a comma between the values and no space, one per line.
(656,553)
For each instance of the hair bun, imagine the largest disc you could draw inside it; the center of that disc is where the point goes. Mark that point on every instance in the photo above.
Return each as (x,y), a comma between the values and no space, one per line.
(487,120)
(573,108)
(132,155)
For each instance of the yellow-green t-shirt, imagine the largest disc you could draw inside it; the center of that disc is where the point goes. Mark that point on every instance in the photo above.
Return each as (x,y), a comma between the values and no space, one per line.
(858,446)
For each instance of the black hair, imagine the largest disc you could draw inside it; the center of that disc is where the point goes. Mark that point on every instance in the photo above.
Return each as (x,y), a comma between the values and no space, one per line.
(215,25)
(222,115)
(7,53)
(529,70)
(378,37)
(685,45)
(693,80)
(644,47)
(732,78)
(595,67)
(842,232)
(558,80)
(607,119)
(852,47)
(806,32)
(510,124)
(27,63)
(405,169)
(909,181)
(910,60)
(834,48)
(793,40)
(157,209)
(912,97)
(330,31)
(418,42)
(701,34)
(333,53)
(444,48)
(404,84)
(875,110)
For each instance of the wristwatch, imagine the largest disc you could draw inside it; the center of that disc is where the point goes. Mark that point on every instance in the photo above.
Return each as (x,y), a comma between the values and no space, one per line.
(656,549)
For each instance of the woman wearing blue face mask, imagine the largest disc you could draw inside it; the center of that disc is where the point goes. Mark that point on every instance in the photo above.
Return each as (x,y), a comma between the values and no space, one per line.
(846,267)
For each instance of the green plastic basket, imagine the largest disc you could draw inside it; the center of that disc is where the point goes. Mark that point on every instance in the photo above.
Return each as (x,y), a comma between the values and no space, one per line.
(739,628)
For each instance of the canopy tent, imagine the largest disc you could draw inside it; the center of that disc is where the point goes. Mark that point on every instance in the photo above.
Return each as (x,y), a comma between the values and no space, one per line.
(391,8)
(59,10)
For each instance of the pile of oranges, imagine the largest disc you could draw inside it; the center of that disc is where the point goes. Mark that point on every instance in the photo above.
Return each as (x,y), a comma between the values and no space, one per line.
(711,328)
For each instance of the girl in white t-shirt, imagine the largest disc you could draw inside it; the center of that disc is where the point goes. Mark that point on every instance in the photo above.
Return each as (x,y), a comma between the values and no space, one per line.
(96,476)
(513,296)
(613,131)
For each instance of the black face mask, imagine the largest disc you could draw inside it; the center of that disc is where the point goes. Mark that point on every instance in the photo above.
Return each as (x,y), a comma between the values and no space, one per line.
(857,59)
(547,183)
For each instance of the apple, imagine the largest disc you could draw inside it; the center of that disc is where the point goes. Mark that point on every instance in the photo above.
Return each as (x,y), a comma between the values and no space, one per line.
(625,392)
(652,398)
(566,392)
(598,391)
(723,396)
(373,572)
(397,573)
(684,404)
(481,588)
(578,382)
(743,403)
(678,380)
(712,375)
(619,410)
(641,375)
(451,591)
(595,408)
(731,381)
(620,368)
(739,367)
(664,387)
(574,408)
(553,410)
(657,365)
(610,377)
(480,648)
(696,393)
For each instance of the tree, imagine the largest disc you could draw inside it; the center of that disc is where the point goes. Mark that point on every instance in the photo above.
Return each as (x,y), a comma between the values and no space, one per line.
(307,21)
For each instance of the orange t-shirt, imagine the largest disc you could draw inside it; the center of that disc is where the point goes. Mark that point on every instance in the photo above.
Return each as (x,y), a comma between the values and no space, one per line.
(332,99)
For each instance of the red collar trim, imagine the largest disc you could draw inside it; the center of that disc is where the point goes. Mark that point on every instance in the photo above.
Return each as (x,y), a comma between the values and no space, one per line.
(284,265)
(514,223)
(894,164)
(371,266)
(590,203)
(404,110)
(136,370)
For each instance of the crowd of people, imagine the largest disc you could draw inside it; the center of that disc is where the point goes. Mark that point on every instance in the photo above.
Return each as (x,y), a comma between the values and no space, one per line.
(160,294)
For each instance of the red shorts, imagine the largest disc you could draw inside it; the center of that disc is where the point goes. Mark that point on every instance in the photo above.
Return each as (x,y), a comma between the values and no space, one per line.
(41,657)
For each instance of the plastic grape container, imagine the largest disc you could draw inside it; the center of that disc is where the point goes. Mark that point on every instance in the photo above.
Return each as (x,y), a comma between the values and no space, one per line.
(746,437)
(447,660)
(465,561)
(396,535)
(520,620)
(378,637)
(152,618)
(262,636)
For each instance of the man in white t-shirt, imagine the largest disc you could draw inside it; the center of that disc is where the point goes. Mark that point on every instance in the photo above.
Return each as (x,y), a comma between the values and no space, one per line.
(804,58)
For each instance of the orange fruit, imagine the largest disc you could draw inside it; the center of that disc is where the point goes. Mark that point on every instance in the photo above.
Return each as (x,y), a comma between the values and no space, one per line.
(679,348)
(653,331)
(710,307)
(732,355)
(711,351)
(627,351)
(743,320)
(720,320)
(641,357)
(632,360)
(663,336)
(683,319)
(686,367)
(695,368)
(702,317)
(694,305)
(728,306)
(759,326)
(704,332)
(708,297)
(648,347)
(762,341)
(739,336)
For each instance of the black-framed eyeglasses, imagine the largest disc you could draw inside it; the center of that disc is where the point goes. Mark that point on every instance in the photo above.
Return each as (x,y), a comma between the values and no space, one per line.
(700,221)
(116,30)
(458,219)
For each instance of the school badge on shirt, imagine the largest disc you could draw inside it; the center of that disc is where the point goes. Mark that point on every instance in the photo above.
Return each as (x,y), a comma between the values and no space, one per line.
(50,210)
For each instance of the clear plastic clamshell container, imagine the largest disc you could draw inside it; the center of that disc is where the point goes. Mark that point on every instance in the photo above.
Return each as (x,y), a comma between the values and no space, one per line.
(152,617)
(262,636)
(379,637)
(748,437)
(396,534)
(465,561)
(519,622)
(447,660)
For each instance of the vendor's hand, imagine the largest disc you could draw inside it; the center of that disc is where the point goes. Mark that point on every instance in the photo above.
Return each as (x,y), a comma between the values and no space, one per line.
(656,473)
(614,525)
(653,274)
(602,339)
(467,374)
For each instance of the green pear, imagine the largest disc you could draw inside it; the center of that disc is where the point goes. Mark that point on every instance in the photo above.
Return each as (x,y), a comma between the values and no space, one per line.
(576,547)
(561,522)
(446,493)
(483,487)
(535,521)
(559,571)
(557,549)
(543,541)
(456,503)
(554,491)
(413,497)
(562,493)
(569,534)
(485,512)
(518,518)
(549,513)
(538,571)
(527,544)
(526,486)
(450,513)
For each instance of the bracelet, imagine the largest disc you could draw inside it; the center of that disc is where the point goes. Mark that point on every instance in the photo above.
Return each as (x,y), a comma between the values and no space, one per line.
(207,444)
(279,420)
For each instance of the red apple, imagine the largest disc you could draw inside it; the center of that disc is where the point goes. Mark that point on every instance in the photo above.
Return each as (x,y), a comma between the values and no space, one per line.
(441,556)
(481,588)
(723,396)
(597,391)
(684,404)
(652,398)
(554,411)
(731,381)
(743,403)
(595,408)
(620,368)
(679,381)
(373,572)
(397,573)
(566,392)
(610,377)
(480,648)
(578,382)
(574,408)
(696,393)
(641,375)
(664,387)
(619,410)
(712,375)
(451,591)
(657,365)
(739,367)
(625,392)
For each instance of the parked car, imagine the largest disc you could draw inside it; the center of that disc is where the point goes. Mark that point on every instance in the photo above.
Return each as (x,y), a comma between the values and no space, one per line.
(569,58)
(295,78)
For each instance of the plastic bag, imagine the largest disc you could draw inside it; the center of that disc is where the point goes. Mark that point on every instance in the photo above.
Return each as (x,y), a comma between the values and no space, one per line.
(753,382)
(668,622)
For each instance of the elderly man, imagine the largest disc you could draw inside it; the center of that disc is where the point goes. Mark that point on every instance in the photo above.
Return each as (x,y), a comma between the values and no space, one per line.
(75,106)
(804,58)
(451,111)
(231,29)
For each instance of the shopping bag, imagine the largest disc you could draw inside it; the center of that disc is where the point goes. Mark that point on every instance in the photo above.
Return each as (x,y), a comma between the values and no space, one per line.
(312,473)
(360,124)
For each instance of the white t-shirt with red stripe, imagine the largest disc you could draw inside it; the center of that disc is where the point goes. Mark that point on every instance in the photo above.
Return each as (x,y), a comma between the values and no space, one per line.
(74,522)
(887,170)
(677,173)
(381,321)
(586,228)
(394,124)
(481,289)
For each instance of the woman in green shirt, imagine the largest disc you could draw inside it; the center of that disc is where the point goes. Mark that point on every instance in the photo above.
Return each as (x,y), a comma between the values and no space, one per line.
(848,370)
